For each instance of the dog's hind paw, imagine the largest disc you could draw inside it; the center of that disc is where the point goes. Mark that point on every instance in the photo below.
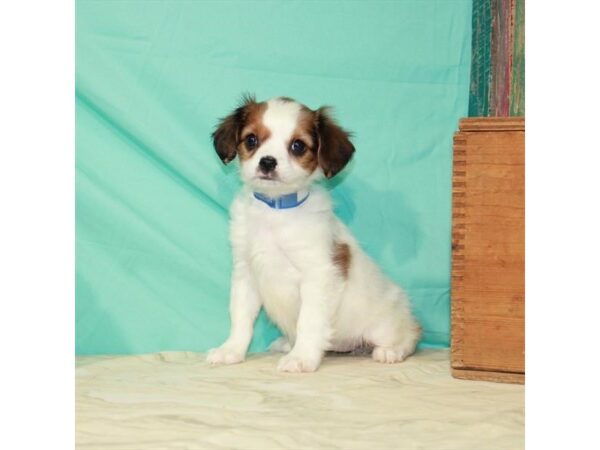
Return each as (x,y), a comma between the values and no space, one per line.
(389,355)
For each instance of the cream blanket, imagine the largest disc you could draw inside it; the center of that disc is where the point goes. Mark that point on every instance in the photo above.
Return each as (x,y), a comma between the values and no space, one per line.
(176,401)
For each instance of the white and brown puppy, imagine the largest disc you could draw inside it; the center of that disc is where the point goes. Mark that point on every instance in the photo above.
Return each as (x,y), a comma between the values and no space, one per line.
(291,254)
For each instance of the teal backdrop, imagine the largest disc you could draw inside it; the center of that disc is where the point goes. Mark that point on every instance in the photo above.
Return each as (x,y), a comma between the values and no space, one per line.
(152,255)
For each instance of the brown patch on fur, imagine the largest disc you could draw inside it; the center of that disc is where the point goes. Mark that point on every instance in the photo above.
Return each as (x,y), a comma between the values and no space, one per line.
(253,125)
(342,257)
(227,138)
(328,144)
(306,131)
(335,148)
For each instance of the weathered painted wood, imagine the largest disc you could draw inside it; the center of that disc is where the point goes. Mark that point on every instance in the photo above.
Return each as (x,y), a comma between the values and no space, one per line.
(480,62)
(498,61)
(501,69)
(517,88)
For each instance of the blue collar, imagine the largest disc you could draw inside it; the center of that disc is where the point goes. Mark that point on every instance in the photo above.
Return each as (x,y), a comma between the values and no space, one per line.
(286,201)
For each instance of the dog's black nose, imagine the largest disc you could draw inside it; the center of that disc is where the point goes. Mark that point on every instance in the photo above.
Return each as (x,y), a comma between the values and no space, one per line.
(267,164)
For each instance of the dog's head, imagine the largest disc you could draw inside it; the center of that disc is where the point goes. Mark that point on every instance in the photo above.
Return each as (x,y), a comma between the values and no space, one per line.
(283,146)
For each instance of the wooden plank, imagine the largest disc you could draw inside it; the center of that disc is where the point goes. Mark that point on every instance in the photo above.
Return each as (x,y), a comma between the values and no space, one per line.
(488,246)
(498,124)
(483,375)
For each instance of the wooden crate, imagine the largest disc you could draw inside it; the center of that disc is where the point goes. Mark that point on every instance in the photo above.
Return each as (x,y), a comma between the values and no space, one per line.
(488,250)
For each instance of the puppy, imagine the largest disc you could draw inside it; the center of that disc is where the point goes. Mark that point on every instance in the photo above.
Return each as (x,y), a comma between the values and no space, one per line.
(291,254)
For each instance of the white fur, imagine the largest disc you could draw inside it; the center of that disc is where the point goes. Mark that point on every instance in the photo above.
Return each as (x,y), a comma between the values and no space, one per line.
(283,261)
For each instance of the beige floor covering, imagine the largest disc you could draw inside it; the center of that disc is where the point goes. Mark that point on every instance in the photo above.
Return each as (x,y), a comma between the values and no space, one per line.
(176,401)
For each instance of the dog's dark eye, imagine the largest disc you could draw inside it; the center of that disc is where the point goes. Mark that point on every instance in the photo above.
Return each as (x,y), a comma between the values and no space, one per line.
(298,147)
(251,141)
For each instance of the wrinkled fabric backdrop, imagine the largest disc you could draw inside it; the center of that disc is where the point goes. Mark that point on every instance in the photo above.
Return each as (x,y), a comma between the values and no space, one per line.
(152,255)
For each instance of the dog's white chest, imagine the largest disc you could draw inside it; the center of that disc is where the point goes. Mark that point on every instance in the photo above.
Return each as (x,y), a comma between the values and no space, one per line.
(276,278)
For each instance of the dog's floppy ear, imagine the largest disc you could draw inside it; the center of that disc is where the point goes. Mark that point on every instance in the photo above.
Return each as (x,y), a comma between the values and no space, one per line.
(226,136)
(335,148)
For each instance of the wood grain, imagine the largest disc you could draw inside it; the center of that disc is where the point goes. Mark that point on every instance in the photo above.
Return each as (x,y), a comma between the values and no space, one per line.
(483,375)
(488,246)
(497,124)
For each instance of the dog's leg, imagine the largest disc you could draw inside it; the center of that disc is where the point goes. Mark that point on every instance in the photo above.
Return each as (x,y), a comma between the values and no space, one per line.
(313,330)
(280,345)
(243,309)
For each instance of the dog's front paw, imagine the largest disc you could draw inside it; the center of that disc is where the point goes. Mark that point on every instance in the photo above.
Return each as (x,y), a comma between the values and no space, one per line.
(224,355)
(298,363)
